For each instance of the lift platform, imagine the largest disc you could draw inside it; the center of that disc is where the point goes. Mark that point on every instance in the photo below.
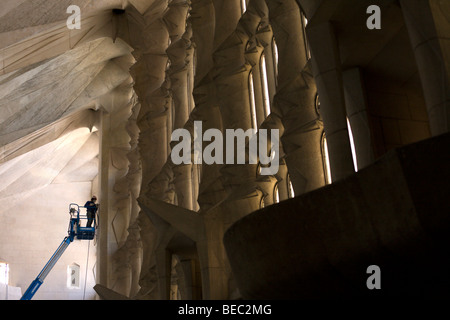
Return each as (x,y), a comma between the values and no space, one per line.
(75,232)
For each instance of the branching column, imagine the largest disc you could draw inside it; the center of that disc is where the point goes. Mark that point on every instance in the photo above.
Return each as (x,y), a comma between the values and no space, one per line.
(294,101)
(328,75)
(428,24)
(149,37)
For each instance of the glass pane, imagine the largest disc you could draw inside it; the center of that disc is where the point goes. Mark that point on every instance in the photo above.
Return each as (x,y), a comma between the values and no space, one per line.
(326,160)
(252,101)
(73,276)
(4,273)
(352,146)
(265,86)
(275,56)
(243,5)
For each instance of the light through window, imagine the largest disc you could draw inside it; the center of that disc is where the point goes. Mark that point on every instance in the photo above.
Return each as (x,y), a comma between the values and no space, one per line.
(265,85)
(243,5)
(276,194)
(275,55)
(252,101)
(4,273)
(305,23)
(326,160)
(352,146)
(290,188)
(73,276)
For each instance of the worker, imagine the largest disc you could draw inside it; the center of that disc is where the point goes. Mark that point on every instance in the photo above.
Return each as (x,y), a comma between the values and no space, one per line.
(91,207)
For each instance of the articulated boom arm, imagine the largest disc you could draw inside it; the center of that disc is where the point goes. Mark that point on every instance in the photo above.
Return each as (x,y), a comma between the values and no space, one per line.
(34,286)
(75,232)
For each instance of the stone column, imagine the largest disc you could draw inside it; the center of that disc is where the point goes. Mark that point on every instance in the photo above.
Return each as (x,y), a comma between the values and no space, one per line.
(327,71)
(206,109)
(256,24)
(182,175)
(149,37)
(180,53)
(282,181)
(118,187)
(428,23)
(128,258)
(230,73)
(106,236)
(294,102)
(133,245)
(227,15)
(231,78)
(204,94)
(159,188)
(356,106)
(203,26)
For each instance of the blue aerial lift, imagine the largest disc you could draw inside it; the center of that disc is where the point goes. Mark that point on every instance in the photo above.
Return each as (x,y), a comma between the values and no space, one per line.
(75,232)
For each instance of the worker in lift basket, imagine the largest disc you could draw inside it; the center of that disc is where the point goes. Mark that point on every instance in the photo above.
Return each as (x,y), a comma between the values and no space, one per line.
(91,207)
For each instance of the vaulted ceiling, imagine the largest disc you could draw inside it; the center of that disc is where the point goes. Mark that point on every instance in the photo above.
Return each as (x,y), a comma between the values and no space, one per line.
(51,81)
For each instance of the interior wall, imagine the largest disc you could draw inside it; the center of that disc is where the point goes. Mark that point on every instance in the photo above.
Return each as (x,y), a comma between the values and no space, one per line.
(397,113)
(37,189)
(31,231)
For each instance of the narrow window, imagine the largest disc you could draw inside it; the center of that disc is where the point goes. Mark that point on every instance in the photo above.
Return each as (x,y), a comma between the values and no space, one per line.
(194,62)
(326,160)
(73,276)
(199,172)
(290,187)
(276,194)
(4,273)
(243,6)
(265,86)
(323,146)
(352,146)
(275,58)
(305,23)
(317,105)
(252,101)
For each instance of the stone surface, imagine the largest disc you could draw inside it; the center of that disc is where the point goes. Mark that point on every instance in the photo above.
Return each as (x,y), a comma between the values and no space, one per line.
(108,294)
(392,214)
(92,110)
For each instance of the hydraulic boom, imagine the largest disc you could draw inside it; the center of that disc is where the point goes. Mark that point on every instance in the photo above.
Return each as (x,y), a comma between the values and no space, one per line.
(75,232)
(48,267)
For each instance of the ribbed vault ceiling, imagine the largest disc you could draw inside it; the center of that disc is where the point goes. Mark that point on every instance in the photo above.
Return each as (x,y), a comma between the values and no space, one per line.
(51,82)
